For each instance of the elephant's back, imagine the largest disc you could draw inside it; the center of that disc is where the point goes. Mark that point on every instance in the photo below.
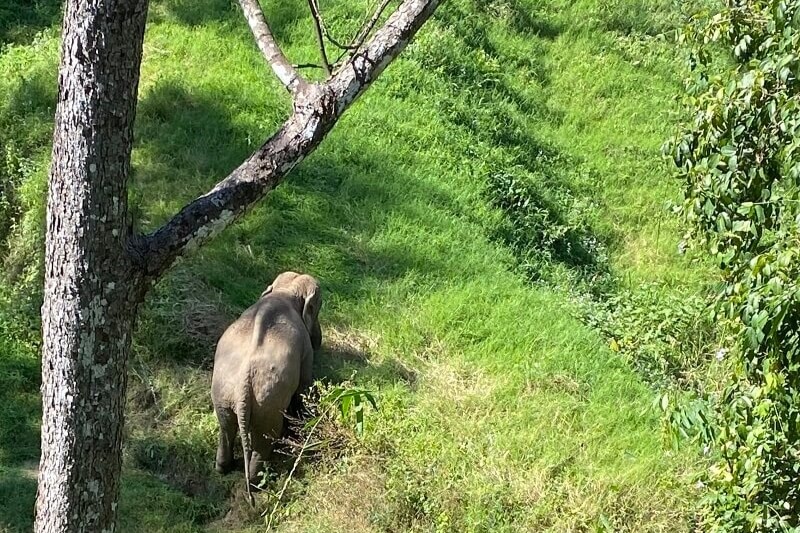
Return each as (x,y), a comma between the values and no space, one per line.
(264,347)
(231,363)
(275,363)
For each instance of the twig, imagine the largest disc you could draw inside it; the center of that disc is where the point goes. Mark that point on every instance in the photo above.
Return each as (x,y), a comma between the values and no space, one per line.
(366,29)
(317,12)
(320,40)
(294,467)
(363,33)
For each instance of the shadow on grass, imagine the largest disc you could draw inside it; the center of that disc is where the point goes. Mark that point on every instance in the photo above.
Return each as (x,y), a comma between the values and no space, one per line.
(185,143)
(280,15)
(20,20)
(339,360)
(148,503)
(523,21)
(20,412)
(17,494)
(20,407)
(26,129)
(181,468)
(545,219)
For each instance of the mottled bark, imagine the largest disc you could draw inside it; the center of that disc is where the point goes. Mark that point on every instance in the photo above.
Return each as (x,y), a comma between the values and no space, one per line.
(89,301)
(96,273)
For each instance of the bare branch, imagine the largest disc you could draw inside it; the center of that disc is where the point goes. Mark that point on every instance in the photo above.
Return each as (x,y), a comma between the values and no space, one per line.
(320,23)
(363,33)
(317,107)
(385,45)
(318,28)
(269,48)
(366,29)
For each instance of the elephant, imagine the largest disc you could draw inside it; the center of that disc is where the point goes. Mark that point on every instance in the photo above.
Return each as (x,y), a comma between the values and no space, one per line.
(263,362)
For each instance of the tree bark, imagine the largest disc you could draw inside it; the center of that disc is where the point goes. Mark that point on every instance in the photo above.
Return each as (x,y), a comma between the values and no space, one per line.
(91,290)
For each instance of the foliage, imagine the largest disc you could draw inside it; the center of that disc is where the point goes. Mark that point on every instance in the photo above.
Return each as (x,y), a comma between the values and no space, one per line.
(317,433)
(739,160)
(349,402)
(668,337)
(534,227)
(649,17)
(20,21)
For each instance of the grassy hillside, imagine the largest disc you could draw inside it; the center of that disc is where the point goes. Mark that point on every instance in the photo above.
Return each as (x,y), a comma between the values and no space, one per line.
(500,183)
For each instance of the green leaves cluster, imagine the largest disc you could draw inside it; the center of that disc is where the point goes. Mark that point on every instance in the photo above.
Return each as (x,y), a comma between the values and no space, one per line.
(349,402)
(738,160)
(665,335)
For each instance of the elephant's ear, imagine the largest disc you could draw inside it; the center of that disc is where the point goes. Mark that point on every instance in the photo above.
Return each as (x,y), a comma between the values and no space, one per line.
(316,335)
(266,291)
(311,306)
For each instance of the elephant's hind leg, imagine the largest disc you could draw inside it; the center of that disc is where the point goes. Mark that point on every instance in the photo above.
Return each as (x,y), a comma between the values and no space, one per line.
(227,435)
(266,431)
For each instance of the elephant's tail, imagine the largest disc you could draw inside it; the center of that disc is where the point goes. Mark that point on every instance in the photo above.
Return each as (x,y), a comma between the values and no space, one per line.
(243,417)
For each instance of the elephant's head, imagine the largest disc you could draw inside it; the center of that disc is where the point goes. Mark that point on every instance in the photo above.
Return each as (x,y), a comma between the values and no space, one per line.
(308,295)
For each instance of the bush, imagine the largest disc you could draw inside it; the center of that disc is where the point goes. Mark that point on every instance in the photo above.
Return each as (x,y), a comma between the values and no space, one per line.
(738,160)
(666,336)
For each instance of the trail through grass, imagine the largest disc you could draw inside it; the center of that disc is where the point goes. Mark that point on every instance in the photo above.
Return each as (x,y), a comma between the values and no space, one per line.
(500,409)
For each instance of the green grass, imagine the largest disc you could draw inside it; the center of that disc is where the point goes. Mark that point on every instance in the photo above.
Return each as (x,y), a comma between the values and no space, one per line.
(501,410)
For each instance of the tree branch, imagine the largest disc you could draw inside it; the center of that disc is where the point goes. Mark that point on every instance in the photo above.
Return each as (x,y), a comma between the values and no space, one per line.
(317,16)
(316,12)
(368,26)
(386,44)
(317,107)
(269,48)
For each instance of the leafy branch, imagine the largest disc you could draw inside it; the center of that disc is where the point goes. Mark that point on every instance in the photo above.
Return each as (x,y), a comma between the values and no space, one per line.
(349,403)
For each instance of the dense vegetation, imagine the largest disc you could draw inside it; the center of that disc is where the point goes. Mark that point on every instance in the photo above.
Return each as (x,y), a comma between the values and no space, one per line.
(739,160)
(490,228)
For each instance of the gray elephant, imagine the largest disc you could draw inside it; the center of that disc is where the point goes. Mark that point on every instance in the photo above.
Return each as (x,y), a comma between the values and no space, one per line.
(263,361)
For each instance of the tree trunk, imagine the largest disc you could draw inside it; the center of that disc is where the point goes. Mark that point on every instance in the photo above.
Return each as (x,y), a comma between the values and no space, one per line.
(91,289)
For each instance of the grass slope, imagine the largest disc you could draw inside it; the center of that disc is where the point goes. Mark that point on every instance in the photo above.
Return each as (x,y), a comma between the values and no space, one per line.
(500,410)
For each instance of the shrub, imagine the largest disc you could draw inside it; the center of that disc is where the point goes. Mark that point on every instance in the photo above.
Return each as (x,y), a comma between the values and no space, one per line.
(667,336)
(738,161)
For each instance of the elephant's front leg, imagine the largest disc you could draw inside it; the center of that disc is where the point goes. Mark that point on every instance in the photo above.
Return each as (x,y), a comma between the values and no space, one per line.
(306,381)
(227,435)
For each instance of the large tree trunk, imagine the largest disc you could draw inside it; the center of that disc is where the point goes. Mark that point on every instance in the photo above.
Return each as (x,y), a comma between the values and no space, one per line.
(91,289)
